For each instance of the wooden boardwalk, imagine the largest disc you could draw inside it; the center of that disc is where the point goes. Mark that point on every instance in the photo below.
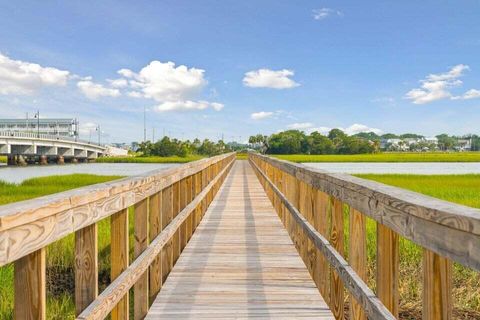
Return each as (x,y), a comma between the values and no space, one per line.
(240,263)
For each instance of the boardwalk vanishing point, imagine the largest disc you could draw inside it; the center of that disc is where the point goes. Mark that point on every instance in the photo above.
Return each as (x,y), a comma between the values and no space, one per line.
(221,238)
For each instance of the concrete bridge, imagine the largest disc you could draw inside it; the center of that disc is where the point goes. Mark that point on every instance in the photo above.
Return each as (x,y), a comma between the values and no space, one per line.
(28,147)
(226,239)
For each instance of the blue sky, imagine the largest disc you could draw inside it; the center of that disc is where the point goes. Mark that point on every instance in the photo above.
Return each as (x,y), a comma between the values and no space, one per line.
(237,68)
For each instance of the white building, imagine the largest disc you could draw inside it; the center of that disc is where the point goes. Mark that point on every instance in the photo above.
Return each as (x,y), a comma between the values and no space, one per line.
(53,127)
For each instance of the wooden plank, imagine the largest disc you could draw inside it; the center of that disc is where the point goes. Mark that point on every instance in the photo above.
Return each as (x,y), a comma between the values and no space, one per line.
(119,258)
(29,225)
(140,289)
(167,258)
(107,299)
(424,220)
(240,263)
(437,287)
(86,267)
(30,287)
(357,257)
(337,241)
(387,267)
(321,223)
(357,287)
(155,225)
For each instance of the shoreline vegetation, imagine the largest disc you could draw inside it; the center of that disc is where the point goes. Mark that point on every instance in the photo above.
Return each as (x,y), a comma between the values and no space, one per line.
(150,159)
(384,157)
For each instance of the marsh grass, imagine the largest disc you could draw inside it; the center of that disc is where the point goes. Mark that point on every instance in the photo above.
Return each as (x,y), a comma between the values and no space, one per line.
(173,159)
(60,255)
(461,189)
(385,157)
(3,159)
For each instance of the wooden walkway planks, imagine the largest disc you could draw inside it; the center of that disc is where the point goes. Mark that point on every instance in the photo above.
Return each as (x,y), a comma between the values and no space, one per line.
(240,263)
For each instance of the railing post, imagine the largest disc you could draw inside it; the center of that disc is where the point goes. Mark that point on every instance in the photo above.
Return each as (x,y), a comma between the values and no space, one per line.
(30,286)
(437,286)
(337,241)
(86,267)
(119,257)
(140,244)
(357,257)
(387,267)
(167,254)
(155,224)
(176,210)
(321,220)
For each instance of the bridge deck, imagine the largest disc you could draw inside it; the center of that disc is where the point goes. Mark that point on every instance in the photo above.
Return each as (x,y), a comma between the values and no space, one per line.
(240,263)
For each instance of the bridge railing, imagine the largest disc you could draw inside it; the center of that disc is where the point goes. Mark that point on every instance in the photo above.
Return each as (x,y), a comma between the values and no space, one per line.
(311,205)
(33,135)
(168,205)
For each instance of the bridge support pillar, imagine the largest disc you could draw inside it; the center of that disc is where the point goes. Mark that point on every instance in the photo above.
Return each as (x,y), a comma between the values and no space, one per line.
(43,160)
(21,160)
(11,161)
(60,160)
(74,160)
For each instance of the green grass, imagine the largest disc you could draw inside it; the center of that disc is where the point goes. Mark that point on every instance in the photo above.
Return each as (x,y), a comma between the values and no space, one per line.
(242,156)
(60,253)
(173,159)
(3,159)
(386,157)
(462,189)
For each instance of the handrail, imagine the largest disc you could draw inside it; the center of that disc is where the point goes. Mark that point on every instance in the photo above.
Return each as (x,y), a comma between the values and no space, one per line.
(314,199)
(173,200)
(371,304)
(19,134)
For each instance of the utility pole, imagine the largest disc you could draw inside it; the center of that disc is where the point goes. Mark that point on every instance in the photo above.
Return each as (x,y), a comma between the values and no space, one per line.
(37,115)
(99,133)
(144,124)
(153,135)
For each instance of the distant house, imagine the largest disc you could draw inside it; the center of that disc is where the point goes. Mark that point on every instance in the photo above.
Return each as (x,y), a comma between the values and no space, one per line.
(464,145)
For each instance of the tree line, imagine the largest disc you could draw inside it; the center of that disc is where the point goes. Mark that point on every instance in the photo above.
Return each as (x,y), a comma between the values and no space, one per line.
(338,142)
(167,147)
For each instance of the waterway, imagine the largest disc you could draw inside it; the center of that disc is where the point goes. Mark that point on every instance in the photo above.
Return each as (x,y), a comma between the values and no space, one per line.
(398,167)
(19,174)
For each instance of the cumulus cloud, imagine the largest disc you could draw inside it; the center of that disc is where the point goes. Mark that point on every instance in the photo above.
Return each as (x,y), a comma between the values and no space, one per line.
(300,125)
(351,130)
(323,13)
(94,90)
(261,115)
(118,83)
(24,78)
(188,105)
(437,87)
(174,87)
(266,78)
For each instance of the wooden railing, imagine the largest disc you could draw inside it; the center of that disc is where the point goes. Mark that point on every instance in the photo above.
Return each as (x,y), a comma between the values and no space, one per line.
(310,203)
(168,206)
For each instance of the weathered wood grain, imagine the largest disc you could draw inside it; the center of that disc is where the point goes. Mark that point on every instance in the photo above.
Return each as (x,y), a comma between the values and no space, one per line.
(30,286)
(337,242)
(388,268)
(86,267)
(448,229)
(140,289)
(437,287)
(357,256)
(119,259)
(155,224)
(321,224)
(354,284)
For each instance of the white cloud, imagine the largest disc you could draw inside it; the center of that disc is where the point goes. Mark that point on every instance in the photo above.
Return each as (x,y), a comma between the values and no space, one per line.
(20,77)
(300,125)
(351,130)
(437,87)
(323,13)
(94,90)
(265,78)
(118,83)
(357,128)
(166,82)
(174,87)
(87,128)
(188,105)
(261,115)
